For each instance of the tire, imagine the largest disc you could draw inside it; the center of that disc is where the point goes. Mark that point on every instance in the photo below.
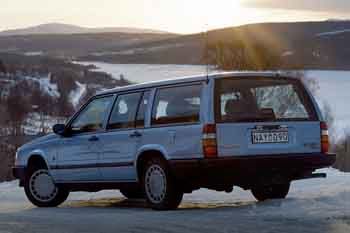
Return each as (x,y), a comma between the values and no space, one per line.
(41,190)
(159,185)
(133,193)
(276,191)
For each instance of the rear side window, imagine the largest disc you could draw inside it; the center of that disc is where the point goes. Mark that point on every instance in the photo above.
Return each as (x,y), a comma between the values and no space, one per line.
(124,111)
(262,99)
(177,105)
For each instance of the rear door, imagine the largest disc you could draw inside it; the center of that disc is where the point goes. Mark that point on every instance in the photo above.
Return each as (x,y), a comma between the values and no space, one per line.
(176,121)
(265,116)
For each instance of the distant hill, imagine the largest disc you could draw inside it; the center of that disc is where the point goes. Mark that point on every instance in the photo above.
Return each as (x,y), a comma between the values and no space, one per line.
(74,45)
(59,28)
(314,45)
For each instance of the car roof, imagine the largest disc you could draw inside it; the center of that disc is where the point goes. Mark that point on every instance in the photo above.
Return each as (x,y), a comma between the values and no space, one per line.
(197,78)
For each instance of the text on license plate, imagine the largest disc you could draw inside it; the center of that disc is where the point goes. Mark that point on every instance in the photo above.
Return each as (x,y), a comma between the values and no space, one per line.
(270,137)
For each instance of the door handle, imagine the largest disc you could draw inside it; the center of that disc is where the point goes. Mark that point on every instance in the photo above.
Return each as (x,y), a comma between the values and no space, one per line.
(135,134)
(93,139)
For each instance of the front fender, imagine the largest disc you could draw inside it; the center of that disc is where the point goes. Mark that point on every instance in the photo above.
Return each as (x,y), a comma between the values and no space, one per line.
(40,153)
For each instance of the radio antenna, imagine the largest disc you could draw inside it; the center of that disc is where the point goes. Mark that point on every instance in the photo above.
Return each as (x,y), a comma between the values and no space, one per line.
(207,51)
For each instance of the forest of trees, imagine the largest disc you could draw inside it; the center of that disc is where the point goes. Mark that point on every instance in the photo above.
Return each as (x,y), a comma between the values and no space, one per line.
(239,54)
(25,104)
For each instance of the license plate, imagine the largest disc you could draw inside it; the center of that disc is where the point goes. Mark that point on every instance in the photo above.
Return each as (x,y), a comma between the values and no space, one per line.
(259,137)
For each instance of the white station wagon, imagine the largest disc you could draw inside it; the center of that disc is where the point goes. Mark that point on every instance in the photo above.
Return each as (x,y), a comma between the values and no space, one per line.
(159,140)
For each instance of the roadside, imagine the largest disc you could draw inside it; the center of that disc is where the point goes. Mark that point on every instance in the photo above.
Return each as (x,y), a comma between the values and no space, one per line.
(319,205)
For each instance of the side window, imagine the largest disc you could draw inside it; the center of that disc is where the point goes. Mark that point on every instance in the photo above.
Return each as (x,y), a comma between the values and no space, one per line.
(177,105)
(141,113)
(124,111)
(92,116)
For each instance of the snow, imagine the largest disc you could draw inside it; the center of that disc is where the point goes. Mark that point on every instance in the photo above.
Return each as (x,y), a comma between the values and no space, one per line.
(287,53)
(315,205)
(34,53)
(77,94)
(334,89)
(46,85)
(337,184)
(147,72)
(332,33)
(37,123)
(139,50)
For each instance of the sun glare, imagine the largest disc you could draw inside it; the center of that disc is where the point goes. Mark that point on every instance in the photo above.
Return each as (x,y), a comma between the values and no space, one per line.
(219,13)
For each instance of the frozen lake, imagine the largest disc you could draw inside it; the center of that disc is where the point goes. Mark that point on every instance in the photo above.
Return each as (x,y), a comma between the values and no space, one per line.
(334,86)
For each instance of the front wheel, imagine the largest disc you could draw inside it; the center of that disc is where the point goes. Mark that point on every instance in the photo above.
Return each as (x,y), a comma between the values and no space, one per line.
(41,190)
(161,190)
(276,191)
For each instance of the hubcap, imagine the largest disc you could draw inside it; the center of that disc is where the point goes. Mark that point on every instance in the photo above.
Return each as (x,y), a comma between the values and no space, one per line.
(42,187)
(155,183)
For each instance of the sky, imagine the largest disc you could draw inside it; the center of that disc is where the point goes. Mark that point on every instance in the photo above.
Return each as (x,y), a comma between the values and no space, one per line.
(180,16)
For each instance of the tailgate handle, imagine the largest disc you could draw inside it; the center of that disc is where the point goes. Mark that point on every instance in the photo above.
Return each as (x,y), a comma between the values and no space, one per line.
(270,127)
(135,134)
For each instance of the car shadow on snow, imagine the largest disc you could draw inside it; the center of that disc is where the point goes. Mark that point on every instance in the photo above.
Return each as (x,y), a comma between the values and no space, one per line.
(111,204)
(122,203)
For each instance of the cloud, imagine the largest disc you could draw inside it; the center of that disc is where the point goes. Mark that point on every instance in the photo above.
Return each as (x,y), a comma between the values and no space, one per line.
(308,5)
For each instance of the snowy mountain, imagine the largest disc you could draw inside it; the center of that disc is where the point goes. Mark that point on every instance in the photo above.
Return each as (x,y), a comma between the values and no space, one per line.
(59,28)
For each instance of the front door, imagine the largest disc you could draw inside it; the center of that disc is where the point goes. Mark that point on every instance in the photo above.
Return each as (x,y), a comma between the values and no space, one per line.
(79,152)
(120,142)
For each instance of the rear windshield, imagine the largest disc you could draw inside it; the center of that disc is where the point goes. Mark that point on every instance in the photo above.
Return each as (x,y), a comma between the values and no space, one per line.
(262,99)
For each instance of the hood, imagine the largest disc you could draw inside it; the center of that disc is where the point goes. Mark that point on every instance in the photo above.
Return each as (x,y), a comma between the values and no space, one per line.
(41,140)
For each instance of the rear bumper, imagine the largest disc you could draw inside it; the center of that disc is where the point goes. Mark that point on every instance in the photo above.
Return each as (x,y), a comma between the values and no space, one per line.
(245,171)
(19,173)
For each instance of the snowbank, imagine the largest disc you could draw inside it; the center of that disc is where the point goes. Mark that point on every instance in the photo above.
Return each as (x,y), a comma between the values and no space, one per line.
(77,94)
(334,190)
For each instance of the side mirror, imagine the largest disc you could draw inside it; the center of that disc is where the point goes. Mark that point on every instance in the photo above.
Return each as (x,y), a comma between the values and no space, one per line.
(59,129)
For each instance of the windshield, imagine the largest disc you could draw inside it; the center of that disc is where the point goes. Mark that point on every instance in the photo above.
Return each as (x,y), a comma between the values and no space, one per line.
(262,99)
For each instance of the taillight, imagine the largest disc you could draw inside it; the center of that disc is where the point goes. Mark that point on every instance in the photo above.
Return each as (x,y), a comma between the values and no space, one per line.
(209,141)
(324,137)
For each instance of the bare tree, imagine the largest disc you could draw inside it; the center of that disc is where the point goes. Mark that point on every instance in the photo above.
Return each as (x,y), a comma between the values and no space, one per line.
(17,107)
(2,67)
(241,55)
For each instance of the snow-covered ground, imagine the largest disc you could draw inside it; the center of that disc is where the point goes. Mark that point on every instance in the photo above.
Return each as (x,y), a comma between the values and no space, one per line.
(45,85)
(77,94)
(334,89)
(317,205)
(38,123)
(332,33)
(147,72)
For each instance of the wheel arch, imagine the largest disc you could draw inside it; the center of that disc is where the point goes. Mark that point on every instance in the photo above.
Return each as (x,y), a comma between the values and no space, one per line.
(146,153)
(38,159)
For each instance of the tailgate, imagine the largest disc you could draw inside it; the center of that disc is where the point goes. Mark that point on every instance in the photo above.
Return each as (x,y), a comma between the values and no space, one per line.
(265,116)
(239,139)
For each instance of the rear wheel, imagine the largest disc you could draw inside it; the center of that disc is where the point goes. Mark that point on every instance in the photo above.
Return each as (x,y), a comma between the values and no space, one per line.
(41,190)
(159,185)
(133,193)
(276,191)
